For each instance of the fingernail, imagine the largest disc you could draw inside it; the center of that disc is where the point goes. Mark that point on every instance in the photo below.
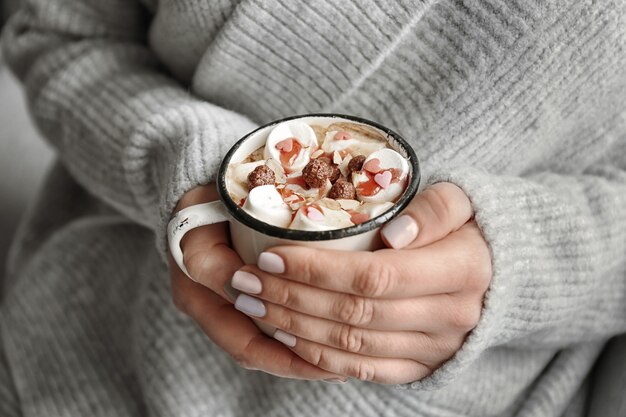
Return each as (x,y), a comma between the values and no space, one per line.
(246,282)
(250,305)
(400,231)
(284,337)
(334,381)
(230,292)
(270,262)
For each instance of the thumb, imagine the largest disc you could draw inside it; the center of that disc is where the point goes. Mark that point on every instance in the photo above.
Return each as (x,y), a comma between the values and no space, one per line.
(433,214)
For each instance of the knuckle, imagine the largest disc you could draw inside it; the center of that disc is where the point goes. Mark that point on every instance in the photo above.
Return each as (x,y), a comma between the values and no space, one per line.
(363,370)
(285,296)
(195,262)
(374,279)
(243,361)
(285,322)
(436,198)
(317,357)
(443,347)
(308,267)
(464,318)
(355,310)
(350,338)
(246,357)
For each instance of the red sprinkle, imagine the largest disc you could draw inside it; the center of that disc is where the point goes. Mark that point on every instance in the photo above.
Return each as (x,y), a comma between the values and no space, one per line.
(285,145)
(373,166)
(342,136)
(358,218)
(314,214)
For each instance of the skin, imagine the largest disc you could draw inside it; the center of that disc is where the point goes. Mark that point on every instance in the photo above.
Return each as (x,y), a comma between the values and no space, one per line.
(389,316)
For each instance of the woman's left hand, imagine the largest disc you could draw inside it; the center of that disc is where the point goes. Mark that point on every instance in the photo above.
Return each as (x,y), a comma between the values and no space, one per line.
(390,316)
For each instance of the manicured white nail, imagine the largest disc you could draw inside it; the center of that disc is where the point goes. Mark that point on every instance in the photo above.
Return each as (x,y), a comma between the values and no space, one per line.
(272,263)
(284,337)
(246,282)
(400,232)
(250,306)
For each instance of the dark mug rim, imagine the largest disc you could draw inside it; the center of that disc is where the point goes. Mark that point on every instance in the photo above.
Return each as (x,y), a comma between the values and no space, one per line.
(310,235)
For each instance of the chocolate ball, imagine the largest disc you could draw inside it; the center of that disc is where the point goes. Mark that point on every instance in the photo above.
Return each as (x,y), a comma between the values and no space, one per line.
(316,172)
(342,189)
(336,173)
(261,175)
(356,164)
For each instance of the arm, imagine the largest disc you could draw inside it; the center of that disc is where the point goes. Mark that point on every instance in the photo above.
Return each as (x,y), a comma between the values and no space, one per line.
(137,140)
(126,130)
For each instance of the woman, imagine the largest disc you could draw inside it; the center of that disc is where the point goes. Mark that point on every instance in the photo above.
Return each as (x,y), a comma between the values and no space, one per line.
(515,108)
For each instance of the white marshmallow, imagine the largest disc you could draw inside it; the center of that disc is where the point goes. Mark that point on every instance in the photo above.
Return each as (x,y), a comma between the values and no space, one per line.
(266,204)
(292,129)
(331,219)
(358,144)
(374,209)
(388,159)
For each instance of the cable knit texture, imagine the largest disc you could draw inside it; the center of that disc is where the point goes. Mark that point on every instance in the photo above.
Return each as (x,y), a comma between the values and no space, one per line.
(520,103)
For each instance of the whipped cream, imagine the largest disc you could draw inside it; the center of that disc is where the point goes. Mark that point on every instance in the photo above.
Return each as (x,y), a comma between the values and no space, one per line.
(298,198)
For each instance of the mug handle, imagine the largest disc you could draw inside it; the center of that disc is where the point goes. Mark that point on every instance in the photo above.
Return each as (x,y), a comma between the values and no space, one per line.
(189,218)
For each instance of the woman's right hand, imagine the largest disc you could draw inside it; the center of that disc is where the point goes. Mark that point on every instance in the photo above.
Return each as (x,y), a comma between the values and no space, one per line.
(212,263)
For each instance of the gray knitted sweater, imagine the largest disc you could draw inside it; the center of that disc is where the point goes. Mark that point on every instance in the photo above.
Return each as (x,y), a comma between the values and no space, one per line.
(521,103)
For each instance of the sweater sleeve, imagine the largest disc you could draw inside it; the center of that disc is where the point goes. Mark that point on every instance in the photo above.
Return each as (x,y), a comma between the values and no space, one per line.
(558,245)
(127,132)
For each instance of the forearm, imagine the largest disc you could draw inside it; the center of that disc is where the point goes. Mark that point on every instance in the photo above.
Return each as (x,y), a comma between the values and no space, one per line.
(130,134)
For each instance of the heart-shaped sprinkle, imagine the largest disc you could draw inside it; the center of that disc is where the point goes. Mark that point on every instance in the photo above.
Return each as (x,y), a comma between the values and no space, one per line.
(383,179)
(342,136)
(373,166)
(358,218)
(285,145)
(314,214)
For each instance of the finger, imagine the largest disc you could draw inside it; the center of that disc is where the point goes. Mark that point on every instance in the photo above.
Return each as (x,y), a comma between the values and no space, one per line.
(209,259)
(433,214)
(206,252)
(426,348)
(238,336)
(277,297)
(459,262)
(365,368)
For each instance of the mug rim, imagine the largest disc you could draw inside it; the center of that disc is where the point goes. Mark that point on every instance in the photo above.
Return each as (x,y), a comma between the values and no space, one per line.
(319,235)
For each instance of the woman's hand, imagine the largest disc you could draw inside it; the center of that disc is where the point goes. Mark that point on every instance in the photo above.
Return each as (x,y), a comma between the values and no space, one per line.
(389,316)
(211,262)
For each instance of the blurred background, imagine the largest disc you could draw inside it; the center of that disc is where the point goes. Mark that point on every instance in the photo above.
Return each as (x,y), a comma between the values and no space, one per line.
(24,156)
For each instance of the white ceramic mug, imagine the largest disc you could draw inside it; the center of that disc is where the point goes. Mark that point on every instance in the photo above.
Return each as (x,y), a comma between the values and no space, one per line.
(250,236)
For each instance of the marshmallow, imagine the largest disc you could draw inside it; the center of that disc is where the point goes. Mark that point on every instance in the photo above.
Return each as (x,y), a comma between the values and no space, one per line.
(356,144)
(281,147)
(318,218)
(374,209)
(384,172)
(266,204)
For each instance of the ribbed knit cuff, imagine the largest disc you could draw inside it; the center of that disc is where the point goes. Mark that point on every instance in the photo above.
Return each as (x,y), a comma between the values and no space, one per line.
(196,160)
